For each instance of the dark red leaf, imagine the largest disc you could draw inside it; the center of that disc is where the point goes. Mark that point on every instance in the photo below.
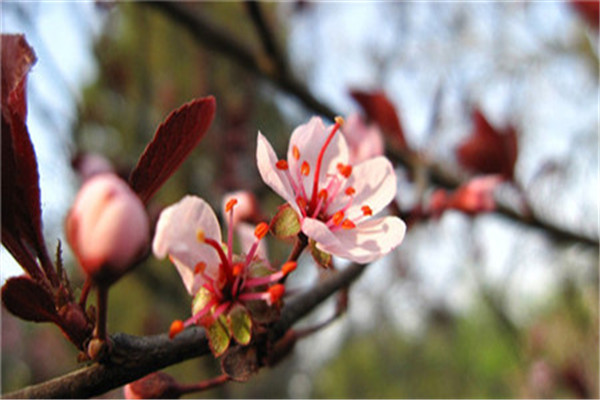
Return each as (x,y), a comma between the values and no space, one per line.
(589,10)
(28,300)
(380,110)
(488,150)
(17,60)
(173,141)
(21,210)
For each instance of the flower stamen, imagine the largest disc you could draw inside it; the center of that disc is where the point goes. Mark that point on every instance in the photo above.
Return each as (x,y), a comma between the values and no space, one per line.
(176,328)
(305,169)
(282,165)
(338,122)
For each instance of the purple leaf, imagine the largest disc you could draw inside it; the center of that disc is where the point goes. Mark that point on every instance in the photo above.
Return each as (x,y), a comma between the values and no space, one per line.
(173,141)
(380,110)
(21,210)
(28,300)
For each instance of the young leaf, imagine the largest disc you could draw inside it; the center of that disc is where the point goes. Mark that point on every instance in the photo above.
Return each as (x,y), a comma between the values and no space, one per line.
(173,141)
(321,258)
(488,150)
(28,300)
(240,324)
(285,224)
(218,336)
(21,210)
(380,110)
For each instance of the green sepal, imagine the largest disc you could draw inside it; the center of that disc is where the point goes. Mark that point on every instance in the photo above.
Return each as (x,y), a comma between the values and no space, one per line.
(201,299)
(322,258)
(218,336)
(240,324)
(285,224)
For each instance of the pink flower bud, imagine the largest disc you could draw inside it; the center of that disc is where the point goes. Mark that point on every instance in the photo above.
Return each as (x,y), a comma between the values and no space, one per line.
(107,227)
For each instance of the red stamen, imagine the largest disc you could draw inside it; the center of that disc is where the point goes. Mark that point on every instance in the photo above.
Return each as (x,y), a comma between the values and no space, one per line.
(238,269)
(313,201)
(276,292)
(305,169)
(323,194)
(288,267)
(350,191)
(261,230)
(200,268)
(337,217)
(281,164)
(366,210)
(345,170)
(301,201)
(295,152)
(347,224)
(230,204)
(217,246)
(176,328)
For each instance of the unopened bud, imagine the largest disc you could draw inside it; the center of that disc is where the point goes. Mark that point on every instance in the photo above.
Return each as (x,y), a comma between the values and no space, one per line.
(107,227)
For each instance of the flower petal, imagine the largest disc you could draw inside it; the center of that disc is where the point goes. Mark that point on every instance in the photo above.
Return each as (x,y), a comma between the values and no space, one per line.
(367,242)
(374,182)
(271,175)
(309,139)
(176,235)
(319,232)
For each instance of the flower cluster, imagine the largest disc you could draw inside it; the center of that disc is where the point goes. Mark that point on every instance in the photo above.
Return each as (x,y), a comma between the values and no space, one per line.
(224,284)
(334,201)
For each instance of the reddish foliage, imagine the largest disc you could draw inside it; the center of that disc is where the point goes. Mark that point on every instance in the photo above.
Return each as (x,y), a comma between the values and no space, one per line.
(173,141)
(589,10)
(21,210)
(487,150)
(380,110)
(28,300)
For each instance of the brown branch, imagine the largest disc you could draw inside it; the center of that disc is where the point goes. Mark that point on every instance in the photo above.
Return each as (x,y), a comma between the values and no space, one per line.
(133,357)
(441,174)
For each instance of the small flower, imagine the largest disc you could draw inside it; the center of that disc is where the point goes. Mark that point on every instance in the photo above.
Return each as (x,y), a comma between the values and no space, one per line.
(364,141)
(223,283)
(334,199)
(107,227)
(473,197)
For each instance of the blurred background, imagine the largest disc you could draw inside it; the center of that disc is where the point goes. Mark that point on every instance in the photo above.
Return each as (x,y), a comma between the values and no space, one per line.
(467,306)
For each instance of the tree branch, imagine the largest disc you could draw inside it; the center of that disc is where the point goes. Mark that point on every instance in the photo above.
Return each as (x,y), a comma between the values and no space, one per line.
(134,357)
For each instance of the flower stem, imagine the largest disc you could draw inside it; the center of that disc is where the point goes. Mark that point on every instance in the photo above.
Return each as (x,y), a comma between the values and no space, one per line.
(85,291)
(102,305)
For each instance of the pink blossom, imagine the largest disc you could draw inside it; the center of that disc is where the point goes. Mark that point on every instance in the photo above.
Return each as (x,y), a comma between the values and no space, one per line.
(364,141)
(334,199)
(190,234)
(477,195)
(473,197)
(107,227)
